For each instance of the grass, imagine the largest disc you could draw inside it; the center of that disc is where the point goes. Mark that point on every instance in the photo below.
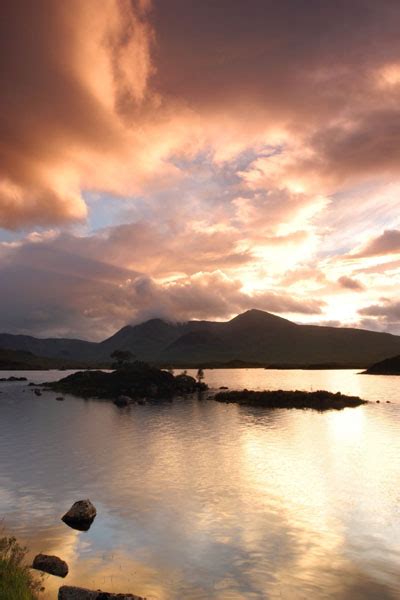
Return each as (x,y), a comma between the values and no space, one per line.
(16,580)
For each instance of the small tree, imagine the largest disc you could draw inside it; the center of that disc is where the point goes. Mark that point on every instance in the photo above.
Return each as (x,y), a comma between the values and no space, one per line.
(200,375)
(122,358)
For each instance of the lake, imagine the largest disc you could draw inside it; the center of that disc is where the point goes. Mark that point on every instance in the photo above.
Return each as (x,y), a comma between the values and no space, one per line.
(199,500)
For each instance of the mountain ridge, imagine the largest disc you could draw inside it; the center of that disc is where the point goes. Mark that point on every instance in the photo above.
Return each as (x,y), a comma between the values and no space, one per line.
(254,336)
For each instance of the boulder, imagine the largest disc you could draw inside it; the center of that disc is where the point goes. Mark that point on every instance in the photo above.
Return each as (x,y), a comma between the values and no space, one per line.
(60,398)
(38,392)
(80,516)
(122,401)
(50,564)
(74,593)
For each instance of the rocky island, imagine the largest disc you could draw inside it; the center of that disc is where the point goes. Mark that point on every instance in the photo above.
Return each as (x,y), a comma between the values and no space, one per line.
(320,400)
(131,382)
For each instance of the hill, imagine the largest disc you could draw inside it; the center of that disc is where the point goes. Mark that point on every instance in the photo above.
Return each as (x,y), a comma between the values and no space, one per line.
(254,337)
(389,366)
(12,360)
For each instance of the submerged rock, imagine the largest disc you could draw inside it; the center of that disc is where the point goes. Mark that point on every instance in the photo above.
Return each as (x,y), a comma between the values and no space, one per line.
(37,392)
(80,516)
(50,564)
(60,398)
(74,593)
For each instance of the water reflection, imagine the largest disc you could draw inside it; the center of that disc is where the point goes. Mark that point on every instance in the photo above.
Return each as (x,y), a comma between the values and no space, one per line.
(203,500)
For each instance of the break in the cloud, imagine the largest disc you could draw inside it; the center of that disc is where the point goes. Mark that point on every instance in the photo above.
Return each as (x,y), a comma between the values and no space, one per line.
(249,153)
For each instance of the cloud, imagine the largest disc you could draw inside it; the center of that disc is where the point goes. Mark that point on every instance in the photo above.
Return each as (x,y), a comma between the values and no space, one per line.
(54,285)
(109,99)
(242,153)
(67,73)
(350,284)
(388,309)
(382,315)
(387,243)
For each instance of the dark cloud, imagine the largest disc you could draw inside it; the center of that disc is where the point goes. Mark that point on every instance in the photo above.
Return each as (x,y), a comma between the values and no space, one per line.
(280,56)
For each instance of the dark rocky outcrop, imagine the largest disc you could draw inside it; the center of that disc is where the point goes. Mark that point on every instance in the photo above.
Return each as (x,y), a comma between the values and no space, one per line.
(389,366)
(76,593)
(50,564)
(80,516)
(133,382)
(320,400)
(12,378)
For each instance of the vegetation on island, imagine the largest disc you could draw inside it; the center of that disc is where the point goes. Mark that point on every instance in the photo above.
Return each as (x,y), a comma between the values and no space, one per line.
(134,380)
(16,579)
(320,400)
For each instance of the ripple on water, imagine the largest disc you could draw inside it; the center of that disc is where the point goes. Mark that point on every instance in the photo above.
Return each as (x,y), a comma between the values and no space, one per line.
(203,500)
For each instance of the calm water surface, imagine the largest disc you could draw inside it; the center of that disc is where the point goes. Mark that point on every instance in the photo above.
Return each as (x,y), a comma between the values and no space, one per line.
(200,500)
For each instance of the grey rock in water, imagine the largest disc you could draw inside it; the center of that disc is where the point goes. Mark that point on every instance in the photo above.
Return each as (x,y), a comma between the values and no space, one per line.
(80,516)
(50,564)
(74,593)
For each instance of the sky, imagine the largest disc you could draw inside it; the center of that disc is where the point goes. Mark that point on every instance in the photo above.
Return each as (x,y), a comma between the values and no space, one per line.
(191,160)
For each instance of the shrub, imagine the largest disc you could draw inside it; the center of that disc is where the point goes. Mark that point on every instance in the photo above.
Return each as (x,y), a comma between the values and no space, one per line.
(16,579)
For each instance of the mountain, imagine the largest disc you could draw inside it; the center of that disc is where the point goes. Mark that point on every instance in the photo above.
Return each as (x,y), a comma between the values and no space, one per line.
(252,337)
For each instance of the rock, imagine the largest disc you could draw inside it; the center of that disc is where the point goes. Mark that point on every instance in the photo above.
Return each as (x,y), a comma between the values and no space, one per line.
(37,392)
(122,401)
(74,593)
(223,387)
(50,564)
(80,516)
(60,398)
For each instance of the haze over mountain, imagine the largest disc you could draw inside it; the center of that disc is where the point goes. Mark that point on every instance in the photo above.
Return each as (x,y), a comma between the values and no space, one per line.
(253,336)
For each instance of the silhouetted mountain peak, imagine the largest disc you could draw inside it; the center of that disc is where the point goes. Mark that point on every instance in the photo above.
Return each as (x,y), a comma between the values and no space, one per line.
(255,317)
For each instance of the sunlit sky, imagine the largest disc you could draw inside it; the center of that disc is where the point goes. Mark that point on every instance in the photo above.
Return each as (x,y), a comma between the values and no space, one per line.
(192,160)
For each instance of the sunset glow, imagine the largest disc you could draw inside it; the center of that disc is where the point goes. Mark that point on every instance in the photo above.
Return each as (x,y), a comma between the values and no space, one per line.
(192,160)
